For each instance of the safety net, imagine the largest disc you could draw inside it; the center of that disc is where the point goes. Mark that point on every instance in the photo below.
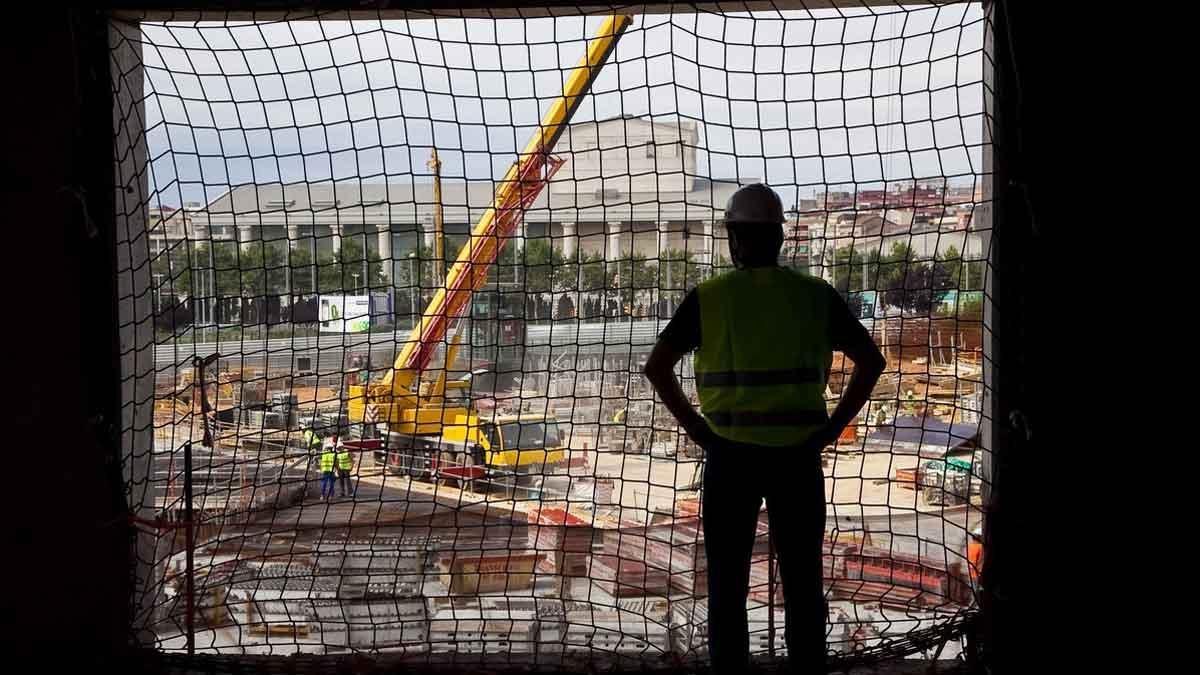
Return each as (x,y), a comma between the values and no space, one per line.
(388,281)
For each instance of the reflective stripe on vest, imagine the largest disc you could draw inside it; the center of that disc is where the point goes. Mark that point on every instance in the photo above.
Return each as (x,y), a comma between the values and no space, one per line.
(768,419)
(760,378)
(344,461)
(764,355)
(327,462)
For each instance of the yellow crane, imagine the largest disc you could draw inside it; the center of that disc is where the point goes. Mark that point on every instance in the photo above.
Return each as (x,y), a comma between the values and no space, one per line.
(429,420)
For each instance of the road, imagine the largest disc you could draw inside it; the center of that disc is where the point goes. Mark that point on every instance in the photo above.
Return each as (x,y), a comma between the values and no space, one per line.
(327,351)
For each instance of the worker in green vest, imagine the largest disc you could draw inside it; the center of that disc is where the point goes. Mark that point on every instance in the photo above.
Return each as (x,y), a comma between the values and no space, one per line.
(328,457)
(312,442)
(344,464)
(764,338)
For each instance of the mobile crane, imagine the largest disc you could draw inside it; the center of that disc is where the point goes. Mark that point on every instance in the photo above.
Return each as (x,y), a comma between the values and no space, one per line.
(433,430)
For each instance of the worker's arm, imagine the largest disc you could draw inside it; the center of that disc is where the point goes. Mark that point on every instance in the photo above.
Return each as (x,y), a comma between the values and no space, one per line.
(855,343)
(660,371)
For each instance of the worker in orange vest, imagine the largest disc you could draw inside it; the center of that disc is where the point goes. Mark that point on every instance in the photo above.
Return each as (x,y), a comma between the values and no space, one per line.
(975,553)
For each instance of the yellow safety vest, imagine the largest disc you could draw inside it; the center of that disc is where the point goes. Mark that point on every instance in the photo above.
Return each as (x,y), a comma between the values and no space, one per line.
(764,355)
(344,461)
(327,458)
(311,439)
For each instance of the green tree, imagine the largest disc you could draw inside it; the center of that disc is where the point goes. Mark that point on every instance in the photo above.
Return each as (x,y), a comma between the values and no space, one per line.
(953,262)
(539,265)
(894,266)
(923,287)
(595,274)
(301,270)
(171,270)
(679,270)
(964,274)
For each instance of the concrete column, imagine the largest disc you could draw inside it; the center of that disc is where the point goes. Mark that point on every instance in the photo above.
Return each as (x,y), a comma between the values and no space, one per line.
(570,241)
(199,227)
(710,246)
(664,238)
(245,235)
(518,238)
(613,250)
(385,245)
(293,240)
(336,231)
(427,234)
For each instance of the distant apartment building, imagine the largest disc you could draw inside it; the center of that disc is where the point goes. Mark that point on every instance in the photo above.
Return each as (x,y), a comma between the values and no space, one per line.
(929,218)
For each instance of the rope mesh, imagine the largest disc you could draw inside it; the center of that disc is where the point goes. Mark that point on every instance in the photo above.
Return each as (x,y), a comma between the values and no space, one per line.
(284,185)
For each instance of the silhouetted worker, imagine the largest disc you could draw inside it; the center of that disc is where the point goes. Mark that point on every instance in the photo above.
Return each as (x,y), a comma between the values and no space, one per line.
(764,338)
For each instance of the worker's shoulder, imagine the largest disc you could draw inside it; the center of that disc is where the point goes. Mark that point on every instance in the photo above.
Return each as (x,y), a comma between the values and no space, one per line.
(805,280)
(796,279)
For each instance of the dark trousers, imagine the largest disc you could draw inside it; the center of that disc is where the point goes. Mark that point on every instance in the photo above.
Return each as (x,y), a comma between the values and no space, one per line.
(326,484)
(344,482)
(736,481)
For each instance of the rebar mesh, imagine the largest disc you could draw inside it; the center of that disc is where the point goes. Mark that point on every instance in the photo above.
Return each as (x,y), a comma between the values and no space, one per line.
(285,181)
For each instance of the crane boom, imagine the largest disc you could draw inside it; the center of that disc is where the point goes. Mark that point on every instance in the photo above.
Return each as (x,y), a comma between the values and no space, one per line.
(518,190)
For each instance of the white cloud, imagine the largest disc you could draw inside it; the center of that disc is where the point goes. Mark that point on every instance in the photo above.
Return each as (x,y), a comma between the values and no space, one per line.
(793,97)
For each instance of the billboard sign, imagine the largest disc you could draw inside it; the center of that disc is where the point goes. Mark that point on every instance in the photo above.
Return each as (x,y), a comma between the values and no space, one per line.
(345,313)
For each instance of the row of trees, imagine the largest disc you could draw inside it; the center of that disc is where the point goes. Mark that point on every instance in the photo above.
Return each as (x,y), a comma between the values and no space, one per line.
(902,278)
(224,269)
(541,268)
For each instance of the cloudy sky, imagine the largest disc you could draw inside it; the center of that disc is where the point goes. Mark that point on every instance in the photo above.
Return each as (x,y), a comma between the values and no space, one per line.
(800,99)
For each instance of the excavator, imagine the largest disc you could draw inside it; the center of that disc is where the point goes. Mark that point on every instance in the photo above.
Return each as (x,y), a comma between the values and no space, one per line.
(433,430)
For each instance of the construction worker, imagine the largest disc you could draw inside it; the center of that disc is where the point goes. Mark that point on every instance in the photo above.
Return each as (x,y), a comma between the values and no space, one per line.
(312,442)
(764,338)
(344,464)
(328,457)
(975,553)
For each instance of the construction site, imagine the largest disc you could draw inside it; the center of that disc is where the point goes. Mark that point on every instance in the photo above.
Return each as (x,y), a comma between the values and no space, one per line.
(517,490)
(599,547)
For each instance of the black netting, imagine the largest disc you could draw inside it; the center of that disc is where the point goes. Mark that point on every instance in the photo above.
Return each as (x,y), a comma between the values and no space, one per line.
(297,191)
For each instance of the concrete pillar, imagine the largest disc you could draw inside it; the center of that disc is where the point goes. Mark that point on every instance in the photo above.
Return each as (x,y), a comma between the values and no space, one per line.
(710,246)
(427,234)
(664,238)
(245,235)
(570,241)
(518,238)
(613,250)
(293,235)
(385,246)
(336,231)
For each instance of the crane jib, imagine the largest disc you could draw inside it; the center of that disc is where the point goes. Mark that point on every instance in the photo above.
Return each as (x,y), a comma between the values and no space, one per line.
(459,290)
(525,180)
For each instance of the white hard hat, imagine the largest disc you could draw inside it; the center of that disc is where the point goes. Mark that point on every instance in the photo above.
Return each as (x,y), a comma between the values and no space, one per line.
(756,204)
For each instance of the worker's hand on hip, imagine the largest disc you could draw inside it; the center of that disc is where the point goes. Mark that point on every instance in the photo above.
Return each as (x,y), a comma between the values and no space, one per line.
(821,438)
(702,434)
